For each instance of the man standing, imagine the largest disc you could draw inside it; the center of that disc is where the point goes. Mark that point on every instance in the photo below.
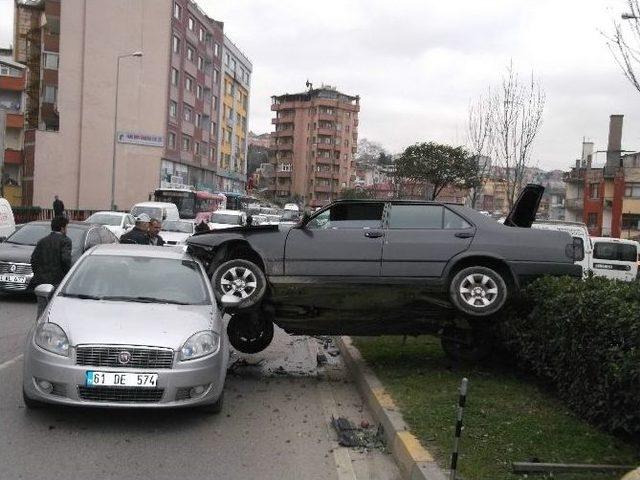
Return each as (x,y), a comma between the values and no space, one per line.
(154,230)
(58,207)
(139,234)
(51,259)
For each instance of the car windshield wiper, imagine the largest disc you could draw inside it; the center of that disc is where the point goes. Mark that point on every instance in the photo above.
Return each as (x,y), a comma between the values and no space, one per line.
(82,296)
(125,298)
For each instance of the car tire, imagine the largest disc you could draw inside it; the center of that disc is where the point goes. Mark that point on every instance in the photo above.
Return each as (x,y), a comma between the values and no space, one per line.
(250,332)
(30,403)
(241,278)
(478,291)
(215,407)
(466,345)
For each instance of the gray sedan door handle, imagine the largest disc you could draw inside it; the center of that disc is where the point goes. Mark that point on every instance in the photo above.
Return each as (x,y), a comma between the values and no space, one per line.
(373,234)
(464,235)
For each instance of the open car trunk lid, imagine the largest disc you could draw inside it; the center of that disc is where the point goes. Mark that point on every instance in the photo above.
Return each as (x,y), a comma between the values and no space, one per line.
(525,209)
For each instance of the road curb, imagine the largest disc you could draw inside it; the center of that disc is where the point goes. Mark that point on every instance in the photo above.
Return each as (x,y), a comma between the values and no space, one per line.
(415,462)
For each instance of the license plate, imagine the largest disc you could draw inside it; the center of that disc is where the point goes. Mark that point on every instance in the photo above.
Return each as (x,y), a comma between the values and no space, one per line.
(13,278)
(118,379)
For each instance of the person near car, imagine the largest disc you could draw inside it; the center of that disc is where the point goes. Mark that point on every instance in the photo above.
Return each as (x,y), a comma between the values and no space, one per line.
(154,229)
(51,259)
(58,207)
(139,234)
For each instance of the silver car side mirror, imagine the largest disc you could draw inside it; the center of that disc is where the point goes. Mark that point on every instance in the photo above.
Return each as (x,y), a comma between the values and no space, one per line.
(44,291)
(229,301)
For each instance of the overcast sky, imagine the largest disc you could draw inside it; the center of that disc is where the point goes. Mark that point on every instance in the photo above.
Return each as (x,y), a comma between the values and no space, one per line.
(416,64)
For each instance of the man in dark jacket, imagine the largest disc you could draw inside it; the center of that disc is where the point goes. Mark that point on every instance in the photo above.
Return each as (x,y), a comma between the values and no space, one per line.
(51,259)
(58,207)
(154,229)
(139,234)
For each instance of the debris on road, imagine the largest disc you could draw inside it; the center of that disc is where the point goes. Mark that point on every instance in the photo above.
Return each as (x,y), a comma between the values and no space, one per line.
(362,437)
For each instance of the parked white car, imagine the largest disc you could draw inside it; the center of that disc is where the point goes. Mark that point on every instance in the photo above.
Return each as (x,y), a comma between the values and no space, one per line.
(176,232)
(7,222)
(159,210)
(615,258)
(222,219)
(117,222)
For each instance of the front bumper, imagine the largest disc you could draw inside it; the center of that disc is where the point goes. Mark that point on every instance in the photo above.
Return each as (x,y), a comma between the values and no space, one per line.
(529,271)
(11,287)
(68,379)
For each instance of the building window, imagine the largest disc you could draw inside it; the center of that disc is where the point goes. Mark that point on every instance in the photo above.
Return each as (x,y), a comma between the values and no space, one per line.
(186,143)
(200,63)
(51,61)
(233,64)
(198,120)
(227,135)
(227,59)
(190,53)
(191,23)
(228,88)
(285,167)
(215,104)
(177,11)
(201,35)
(197,148)
(199,91)
(215,76)
(188,83)
(187,113)
(592,220)
(171,141)
(238,119)
(176,44)
(216,49)
(175,76)
(630,221)
(632,190)
(593,190)
(214,129)
(173,109)
(50,94)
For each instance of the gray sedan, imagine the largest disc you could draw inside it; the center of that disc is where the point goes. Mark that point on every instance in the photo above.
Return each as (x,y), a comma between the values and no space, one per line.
(130,326)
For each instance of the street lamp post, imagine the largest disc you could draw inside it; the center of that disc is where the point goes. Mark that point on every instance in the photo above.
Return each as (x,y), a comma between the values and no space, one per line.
(115,127)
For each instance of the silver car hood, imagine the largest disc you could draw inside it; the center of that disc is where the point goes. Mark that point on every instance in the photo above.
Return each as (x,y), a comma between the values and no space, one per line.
(178,237)
(131,323)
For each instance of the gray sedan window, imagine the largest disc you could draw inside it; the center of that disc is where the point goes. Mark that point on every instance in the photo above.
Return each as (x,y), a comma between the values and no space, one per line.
(416,216)
(454,221)
(349,215)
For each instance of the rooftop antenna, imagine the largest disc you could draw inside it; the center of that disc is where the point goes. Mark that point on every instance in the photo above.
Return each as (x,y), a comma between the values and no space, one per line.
(309,85)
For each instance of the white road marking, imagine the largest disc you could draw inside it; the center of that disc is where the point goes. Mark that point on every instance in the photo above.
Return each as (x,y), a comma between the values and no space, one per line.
(8,363)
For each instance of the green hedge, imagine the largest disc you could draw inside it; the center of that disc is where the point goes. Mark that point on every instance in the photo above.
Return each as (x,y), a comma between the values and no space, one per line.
(583,336)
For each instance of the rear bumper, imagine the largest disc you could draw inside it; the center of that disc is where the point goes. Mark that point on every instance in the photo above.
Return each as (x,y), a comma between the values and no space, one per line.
(528,271)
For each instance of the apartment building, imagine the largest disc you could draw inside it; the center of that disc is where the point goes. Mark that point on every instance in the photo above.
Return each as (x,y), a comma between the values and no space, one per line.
(313,144)
(13,79)
(606,197)
(236,86)
(137,99)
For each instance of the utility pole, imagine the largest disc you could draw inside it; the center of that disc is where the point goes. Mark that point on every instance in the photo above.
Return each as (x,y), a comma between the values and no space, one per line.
(3,129)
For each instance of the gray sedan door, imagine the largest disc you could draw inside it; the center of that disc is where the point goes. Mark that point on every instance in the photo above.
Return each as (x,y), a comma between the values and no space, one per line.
(344,240)
(421,239)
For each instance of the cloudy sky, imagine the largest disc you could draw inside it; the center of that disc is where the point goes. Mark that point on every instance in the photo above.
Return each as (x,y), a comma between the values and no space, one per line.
(416,64)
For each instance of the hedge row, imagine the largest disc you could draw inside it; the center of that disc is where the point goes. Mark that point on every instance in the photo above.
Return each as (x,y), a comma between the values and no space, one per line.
(584,337)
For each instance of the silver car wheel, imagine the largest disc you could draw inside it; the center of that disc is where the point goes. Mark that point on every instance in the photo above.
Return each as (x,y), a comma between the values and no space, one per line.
(238,281)
(478,290)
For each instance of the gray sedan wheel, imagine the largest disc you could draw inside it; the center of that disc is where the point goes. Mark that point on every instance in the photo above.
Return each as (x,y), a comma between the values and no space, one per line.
(478,291)
(242,279)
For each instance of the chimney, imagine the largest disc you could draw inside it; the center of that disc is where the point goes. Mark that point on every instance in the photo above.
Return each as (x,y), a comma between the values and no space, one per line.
(614,147)
(578,163)
(587,151)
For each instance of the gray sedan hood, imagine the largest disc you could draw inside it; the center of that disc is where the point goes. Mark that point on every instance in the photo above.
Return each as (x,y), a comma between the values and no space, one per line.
(130,323)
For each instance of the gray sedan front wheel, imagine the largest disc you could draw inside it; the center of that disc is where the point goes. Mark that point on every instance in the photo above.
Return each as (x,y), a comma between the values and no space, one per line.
(240,278)
(478,291)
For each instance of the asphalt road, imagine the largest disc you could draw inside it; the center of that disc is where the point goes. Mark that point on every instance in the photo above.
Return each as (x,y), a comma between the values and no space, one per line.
(275,423)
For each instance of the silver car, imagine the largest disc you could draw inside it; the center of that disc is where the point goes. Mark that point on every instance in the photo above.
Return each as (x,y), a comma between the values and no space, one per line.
(130,326)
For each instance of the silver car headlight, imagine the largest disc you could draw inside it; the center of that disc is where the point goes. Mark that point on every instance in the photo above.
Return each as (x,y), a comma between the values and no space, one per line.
(52,338)
(199,345)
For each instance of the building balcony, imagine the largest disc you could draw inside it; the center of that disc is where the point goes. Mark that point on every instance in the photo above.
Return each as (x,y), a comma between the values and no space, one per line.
(15,120)
(324,175)
(13,157)
(327,131)
(283,147)
(329,117)
(324,189)
(325,146)
(14,84)
(283,133)
(573,176)
(574,203)
(283,119)
(282,174)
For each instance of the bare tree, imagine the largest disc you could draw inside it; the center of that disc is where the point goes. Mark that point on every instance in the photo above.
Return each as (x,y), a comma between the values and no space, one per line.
(517,110)
(480,133)
(624,43)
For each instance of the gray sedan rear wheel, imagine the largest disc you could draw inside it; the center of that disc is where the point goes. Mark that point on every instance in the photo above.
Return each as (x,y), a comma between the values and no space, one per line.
(478,291)
(240,278)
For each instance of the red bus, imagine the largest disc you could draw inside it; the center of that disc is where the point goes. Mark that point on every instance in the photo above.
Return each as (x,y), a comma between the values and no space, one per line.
(191,204)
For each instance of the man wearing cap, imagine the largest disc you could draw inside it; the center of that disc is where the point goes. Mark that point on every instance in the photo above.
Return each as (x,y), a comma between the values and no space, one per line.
(139,234)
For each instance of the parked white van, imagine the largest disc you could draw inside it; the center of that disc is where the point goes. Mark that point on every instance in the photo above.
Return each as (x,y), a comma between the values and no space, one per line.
(615,258)
(7,222)
(163,211)
(580,234)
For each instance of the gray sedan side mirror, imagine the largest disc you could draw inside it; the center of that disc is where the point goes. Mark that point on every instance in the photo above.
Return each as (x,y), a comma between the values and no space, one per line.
(44,291)
(229,301)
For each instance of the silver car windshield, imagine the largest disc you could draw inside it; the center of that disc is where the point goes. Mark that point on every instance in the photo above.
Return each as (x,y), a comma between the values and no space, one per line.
(138,279)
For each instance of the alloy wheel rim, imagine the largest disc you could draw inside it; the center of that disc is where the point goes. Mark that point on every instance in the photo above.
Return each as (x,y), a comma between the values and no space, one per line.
(478,290)
(239,281)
